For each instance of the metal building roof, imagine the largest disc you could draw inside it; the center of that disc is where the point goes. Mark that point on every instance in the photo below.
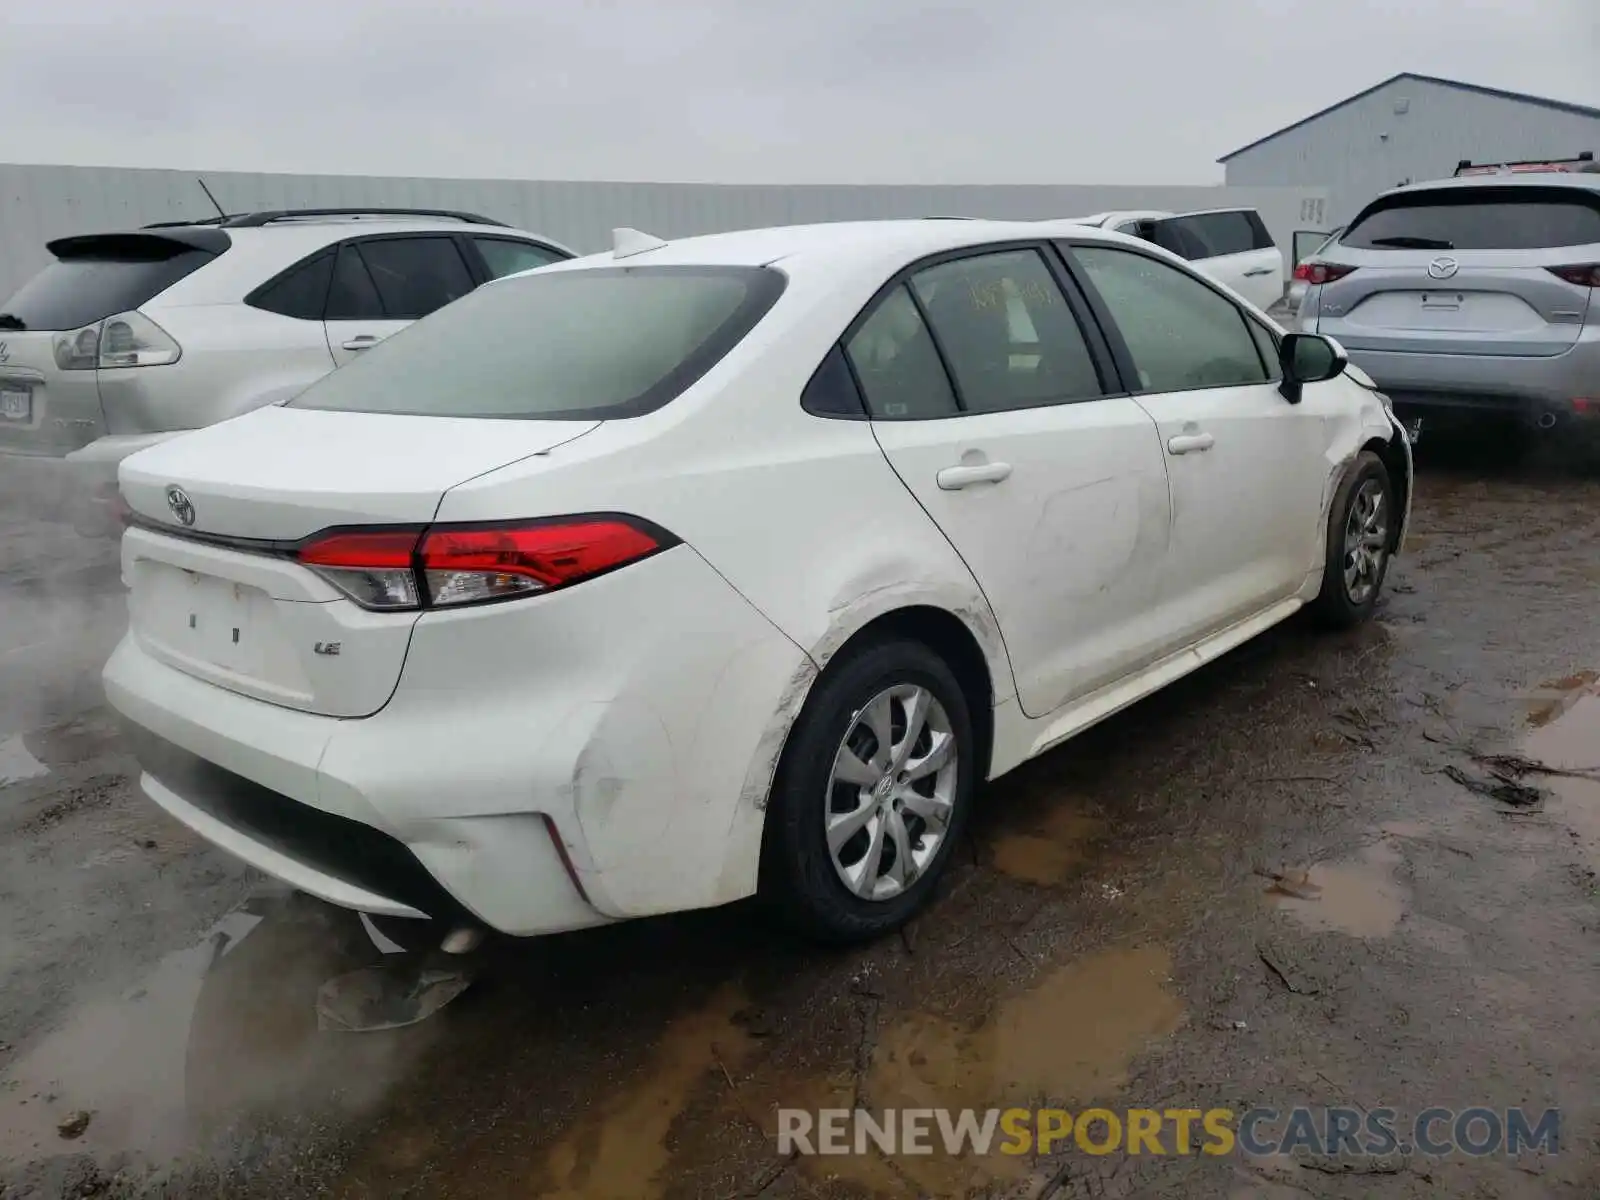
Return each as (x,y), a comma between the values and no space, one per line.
(1581,110)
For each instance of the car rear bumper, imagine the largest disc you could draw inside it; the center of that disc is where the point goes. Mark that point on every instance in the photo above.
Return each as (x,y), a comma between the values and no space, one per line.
(600,754)
(1538,392)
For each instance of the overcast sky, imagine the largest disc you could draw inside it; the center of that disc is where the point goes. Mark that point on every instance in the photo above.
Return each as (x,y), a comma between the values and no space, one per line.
(1020,91)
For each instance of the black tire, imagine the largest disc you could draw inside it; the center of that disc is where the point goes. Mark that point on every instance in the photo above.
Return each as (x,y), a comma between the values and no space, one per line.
(799,882)
(1334,606)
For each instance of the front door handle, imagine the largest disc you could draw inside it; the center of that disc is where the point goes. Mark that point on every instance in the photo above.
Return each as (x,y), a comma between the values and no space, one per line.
(364,342)
(953,479)
(1254,271)
(1189,443)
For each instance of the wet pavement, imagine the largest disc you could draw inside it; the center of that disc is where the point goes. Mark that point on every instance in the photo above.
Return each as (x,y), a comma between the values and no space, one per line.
(1354,870)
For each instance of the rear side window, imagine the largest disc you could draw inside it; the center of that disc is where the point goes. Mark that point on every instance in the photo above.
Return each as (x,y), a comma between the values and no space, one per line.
(1219,233)
(902,378)
(568,345)
(416,276)
(1006,332)
(301,291)
(503,256)
(1522,218)
(100,278)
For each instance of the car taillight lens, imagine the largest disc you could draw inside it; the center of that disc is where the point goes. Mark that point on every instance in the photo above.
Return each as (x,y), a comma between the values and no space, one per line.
(1318,273)
(447,566)
(128,339)
(1584,274)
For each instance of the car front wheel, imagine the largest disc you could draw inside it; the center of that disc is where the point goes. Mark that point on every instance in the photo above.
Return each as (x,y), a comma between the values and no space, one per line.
(871,794)
(1361,524)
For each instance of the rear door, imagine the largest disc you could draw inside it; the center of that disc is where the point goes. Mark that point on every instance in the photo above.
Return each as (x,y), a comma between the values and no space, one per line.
(1233,247)
(1246,467)
(383,283)
(50,329)
(1470,270)
(993,398)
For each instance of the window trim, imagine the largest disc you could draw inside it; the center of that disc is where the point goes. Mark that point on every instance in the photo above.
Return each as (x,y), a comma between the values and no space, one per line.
(1113,333)
(1112,383)
(479,265)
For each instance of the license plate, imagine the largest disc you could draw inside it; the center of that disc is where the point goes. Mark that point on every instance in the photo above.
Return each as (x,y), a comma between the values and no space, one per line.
(16,405)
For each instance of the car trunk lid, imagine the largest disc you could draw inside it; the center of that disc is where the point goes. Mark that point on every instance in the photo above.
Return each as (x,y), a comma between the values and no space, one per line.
(215,589)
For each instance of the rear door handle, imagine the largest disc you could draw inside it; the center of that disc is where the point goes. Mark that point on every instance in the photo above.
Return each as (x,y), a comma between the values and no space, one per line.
(953,479)
(364,342)
(1254,271)
(1189,443)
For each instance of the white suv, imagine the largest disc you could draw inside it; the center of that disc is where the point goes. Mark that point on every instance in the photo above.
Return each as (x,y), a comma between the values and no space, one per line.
(129,338)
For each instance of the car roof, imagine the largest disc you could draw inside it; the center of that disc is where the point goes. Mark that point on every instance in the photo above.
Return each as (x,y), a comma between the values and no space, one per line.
(897,240)
(1577,180)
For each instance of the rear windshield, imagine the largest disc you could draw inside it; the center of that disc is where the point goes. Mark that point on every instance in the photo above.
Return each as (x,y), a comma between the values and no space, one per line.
(564,345)
(87,287)
(1478,219)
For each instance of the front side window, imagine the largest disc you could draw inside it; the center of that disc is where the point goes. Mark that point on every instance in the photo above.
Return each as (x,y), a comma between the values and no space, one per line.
(1007,333)
(1220,233)
(1181,334)
(593,344)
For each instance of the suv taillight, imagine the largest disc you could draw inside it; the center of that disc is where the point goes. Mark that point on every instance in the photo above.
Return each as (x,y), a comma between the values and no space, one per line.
(128,339)
(1584,274)
(1317,273)
(445,566)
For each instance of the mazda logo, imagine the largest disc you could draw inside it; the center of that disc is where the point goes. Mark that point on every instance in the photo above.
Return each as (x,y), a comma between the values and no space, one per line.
(1443,268)
(182,507)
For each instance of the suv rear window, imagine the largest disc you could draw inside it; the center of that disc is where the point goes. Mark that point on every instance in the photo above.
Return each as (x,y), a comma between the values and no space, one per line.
(565,345)
(1478,219)
(98,277)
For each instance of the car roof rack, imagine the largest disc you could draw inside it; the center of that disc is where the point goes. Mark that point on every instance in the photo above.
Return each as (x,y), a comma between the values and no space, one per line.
(1528,165)
(256,220)
(184,224)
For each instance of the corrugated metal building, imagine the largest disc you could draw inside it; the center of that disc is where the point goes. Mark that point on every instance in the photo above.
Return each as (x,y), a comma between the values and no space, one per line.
(38,203)
(1409,128)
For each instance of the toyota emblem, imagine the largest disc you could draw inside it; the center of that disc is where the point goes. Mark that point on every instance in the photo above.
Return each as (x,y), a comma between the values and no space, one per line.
(1443,268)
(182,507)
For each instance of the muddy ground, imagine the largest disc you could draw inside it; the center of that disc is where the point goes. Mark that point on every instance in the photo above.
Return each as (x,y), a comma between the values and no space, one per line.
(1271,885)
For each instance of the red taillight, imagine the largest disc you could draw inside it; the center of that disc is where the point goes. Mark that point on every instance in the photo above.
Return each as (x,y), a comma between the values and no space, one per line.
(451,565)
(1583,274)
(1319,273)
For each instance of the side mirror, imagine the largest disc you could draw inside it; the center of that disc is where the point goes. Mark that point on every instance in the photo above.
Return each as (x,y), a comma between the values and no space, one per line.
(1308,358)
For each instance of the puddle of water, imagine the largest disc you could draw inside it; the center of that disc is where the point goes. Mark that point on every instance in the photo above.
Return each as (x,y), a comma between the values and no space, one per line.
(1569,739)
(17,764)
(618,1151)
(1051,851)
(1358,896)
(1550,700)
(223,1030)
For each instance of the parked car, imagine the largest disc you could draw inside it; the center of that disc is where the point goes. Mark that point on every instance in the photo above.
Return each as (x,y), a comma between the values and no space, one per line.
(130,337)
(662,577)
(1231,245)
(1471,297)
(1301,275)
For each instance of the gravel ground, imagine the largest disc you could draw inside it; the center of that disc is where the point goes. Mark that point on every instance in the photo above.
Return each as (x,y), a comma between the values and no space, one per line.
(1273,884)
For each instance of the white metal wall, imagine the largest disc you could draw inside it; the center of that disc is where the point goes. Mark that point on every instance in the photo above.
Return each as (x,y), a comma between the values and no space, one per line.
(1369,146)
(38,203)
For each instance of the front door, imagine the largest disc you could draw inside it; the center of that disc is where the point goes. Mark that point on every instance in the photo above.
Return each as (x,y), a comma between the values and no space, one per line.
(993,409)
(1247,469)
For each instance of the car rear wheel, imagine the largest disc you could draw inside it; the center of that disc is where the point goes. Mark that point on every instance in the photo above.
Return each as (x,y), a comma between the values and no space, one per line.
(871,795)
(1361,523)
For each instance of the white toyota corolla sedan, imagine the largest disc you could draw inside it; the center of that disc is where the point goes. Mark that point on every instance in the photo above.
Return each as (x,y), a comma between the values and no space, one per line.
(731,565)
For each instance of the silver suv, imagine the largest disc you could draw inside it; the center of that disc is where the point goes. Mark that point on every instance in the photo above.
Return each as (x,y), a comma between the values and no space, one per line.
(1471,297)
(129,338)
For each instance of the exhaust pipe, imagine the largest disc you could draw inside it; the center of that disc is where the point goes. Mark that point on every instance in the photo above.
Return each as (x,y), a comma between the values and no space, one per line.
(1547,420)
